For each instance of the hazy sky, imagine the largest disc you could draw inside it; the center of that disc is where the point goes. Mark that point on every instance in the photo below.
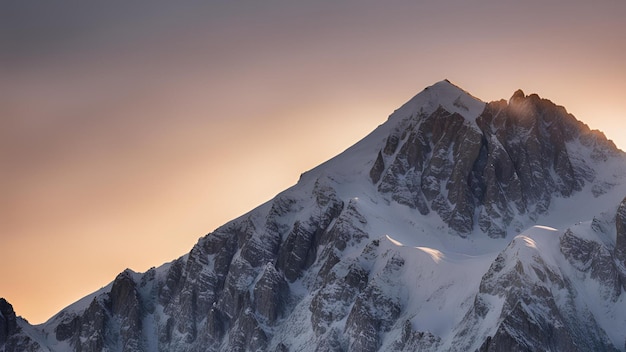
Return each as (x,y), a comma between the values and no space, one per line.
(128,129)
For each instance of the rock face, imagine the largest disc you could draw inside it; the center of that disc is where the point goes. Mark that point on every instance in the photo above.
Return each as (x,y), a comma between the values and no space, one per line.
(508,161)
(620,242)
(8,324)
(12,335)
(364,253)
(532,291)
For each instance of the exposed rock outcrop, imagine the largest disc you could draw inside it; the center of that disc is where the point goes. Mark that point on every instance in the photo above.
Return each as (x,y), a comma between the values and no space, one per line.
(8,323)
(12,335)
(512,159)
(620,240)
(527,293)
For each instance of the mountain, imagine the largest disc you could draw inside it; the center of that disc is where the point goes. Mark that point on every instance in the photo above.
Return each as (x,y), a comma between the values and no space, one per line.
(456,225)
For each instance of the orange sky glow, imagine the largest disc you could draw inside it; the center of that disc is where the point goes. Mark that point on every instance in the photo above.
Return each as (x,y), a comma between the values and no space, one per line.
(128,131)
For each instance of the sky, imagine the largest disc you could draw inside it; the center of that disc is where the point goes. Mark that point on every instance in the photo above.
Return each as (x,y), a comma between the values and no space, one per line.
(129,129)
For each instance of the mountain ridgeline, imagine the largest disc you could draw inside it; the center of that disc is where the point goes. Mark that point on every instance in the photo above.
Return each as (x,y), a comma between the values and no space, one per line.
(456,225)
(511,160)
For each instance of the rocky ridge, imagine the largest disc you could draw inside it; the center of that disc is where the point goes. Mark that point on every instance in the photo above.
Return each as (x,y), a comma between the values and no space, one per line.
(423,236)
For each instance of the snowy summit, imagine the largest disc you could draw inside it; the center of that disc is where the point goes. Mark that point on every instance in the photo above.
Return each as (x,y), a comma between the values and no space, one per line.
(446,95)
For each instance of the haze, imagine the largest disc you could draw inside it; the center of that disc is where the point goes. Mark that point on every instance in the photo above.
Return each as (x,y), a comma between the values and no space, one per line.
(131,129)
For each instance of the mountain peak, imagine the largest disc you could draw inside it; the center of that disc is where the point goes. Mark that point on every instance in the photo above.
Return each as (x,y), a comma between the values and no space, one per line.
(446,95)
(518,94)
(445,85)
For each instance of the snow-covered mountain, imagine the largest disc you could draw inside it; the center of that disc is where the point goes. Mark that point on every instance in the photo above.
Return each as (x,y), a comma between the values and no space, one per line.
(456,225)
